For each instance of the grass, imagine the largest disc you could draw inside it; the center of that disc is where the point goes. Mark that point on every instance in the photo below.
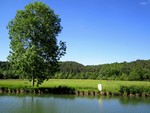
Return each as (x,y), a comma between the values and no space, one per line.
(80,85)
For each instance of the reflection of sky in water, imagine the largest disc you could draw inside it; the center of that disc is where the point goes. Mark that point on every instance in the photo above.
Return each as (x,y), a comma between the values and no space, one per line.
(71,104)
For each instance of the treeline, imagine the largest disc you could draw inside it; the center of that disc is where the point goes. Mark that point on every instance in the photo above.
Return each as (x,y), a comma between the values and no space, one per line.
(6,72)
(136,70)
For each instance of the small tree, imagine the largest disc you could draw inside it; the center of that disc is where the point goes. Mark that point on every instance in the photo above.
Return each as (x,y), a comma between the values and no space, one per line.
(35,51)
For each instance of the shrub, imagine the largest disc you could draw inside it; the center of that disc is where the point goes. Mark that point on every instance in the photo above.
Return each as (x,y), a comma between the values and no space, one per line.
(134,89)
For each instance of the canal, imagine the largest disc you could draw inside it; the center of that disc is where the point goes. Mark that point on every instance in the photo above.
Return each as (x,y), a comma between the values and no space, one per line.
(72,104)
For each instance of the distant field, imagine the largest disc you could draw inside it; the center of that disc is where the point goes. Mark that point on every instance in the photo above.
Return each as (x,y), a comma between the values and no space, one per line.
(80,85)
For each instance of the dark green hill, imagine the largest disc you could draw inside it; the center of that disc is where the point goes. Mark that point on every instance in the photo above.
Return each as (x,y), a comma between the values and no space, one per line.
(136,70)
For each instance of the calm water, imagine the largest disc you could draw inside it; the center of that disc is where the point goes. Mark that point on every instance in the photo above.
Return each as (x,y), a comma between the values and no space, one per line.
(72,104)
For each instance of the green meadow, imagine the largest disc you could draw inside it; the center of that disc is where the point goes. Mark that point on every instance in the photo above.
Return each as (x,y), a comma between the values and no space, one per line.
(78,84)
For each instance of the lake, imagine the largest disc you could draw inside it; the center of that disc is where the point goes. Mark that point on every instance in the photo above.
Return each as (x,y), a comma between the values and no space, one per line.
(72,104)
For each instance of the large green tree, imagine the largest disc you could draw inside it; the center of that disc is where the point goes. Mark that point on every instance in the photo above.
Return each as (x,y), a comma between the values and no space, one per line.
(35,51)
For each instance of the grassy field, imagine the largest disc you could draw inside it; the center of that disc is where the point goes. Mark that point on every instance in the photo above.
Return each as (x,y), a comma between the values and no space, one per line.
(80,85)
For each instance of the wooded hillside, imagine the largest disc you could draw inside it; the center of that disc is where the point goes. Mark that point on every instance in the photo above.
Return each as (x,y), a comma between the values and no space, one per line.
(136,70)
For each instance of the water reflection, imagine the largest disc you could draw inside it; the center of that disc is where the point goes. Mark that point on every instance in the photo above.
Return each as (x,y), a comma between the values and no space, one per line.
(124,104)
(72,104)
(134,100)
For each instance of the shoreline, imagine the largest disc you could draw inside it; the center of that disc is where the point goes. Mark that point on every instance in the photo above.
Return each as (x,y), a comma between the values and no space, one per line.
(67,91)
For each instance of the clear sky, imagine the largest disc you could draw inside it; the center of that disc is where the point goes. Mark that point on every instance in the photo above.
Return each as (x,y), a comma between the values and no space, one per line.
(95,31)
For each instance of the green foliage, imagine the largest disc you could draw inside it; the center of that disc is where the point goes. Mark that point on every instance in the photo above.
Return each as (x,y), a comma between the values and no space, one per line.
(134,89)
(6,72)
(35,51)
(138,70)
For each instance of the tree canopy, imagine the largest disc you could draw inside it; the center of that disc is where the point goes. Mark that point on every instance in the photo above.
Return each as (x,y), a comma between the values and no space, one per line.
(35,50)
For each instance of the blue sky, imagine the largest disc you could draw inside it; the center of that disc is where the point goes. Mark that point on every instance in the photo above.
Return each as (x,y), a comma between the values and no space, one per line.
(95,31)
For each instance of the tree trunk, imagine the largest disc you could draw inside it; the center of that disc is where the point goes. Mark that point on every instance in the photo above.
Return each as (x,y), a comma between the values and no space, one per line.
(32,81)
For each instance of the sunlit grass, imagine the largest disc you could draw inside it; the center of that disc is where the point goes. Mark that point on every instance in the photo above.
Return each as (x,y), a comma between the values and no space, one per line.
(78,84)
(91,85)
(14,83)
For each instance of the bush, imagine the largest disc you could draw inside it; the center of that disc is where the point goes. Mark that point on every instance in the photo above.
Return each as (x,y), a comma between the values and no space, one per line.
(134,89)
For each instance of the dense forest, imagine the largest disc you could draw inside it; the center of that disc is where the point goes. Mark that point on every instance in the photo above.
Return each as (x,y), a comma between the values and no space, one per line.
(136,70)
